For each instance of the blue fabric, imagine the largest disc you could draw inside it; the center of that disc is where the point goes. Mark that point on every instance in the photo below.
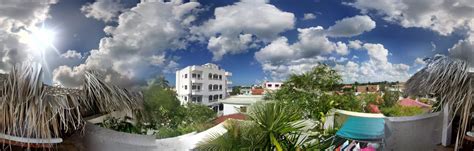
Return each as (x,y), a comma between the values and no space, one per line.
(362,128)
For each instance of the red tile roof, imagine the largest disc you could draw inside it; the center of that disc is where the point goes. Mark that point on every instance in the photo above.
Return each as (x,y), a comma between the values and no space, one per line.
(410,102)
(221,119)
(257,91)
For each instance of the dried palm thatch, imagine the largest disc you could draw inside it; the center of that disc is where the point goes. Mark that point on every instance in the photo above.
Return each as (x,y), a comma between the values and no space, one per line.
(31,109)
(450,80)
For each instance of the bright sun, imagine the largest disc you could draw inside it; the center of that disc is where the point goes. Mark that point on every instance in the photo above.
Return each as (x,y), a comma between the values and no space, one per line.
(41,38)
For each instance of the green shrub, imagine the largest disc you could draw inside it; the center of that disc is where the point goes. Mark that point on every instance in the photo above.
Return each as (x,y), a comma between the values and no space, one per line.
(399,110)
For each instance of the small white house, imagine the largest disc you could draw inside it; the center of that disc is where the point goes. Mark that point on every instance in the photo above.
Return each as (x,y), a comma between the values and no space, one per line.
(272,86)
(239,103)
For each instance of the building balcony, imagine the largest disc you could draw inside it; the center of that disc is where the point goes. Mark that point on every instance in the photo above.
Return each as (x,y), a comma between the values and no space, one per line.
(229,82)
(228,74)
(195,92)
(196,80)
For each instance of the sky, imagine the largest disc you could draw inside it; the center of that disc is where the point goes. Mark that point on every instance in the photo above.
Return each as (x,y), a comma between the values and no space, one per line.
(131,41)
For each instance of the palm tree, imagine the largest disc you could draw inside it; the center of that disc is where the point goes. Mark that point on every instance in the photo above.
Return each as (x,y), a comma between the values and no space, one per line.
(450,80)
(31,109)
(272,126)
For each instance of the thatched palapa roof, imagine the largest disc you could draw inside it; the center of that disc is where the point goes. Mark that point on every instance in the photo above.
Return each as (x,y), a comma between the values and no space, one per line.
(30,109)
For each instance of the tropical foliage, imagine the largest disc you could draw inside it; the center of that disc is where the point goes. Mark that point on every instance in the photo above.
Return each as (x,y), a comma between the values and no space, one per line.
(272,126)
(398,110)
(164,113)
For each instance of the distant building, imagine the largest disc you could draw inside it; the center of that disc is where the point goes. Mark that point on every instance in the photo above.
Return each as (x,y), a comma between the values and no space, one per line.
(239,103)
(272,86)
(205,84)
(367,88)
(246,91)
(258,91)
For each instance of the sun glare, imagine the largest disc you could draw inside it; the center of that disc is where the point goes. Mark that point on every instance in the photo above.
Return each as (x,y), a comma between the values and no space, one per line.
(41,38)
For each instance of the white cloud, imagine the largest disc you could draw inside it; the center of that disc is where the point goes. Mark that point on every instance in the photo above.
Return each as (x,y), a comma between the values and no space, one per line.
(17,18)
(309,16)
(71,54)
(136,48)
(377,68)
(464,50)
(352,26)
(419,61)
(105,10)
(279,58)
(247,17)
(355,44)
(442,16)
(341,48)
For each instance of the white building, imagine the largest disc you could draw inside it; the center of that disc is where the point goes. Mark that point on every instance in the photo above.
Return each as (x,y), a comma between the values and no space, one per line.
(204,84)
(239,103)
(272,86)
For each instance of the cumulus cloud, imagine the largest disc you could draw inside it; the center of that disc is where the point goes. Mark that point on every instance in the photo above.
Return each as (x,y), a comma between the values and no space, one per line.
(71,54)
(309,16)
(442,16)
(234,25)
(377,68)
(464,50)
(17,17)
(353,26)
(105,10)
(137,45)
(419,61)
(280,58)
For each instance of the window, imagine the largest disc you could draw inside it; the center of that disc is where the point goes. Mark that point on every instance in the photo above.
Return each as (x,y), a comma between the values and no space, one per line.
(193,87)
(277,85)
(243,109)
(221,107)
(215,87)
(216,97)
(193,75)
(185,98)
(210,98)
(194,99)
(220,96)
(220,87)
(210,76)
(215,76)
(198,87)
(199,76)
(185,75)
(185,87)
(269,85)
(210,87)
(220,77)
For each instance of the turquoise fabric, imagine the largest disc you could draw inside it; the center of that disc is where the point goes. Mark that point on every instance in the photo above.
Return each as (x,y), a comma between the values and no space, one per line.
(362,128)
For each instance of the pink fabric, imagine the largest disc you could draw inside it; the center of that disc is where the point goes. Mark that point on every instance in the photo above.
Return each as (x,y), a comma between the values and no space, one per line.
(374,108)
(368,148)
(410,102)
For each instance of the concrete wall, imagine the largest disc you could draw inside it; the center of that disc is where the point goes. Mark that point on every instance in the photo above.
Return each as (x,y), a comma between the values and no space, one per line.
(232,108)
(97,138)
(413,133)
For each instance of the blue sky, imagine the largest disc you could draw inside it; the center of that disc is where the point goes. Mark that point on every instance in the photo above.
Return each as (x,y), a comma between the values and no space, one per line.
(133,41)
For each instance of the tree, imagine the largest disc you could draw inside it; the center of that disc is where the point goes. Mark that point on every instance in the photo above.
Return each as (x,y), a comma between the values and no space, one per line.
(272,126)
(161,105)
(390,98)
(235,90)
(305,91)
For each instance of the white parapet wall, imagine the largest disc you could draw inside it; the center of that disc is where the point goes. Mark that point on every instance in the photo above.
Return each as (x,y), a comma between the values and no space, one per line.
(97,138)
